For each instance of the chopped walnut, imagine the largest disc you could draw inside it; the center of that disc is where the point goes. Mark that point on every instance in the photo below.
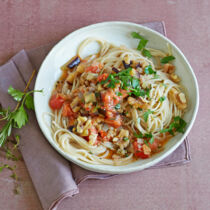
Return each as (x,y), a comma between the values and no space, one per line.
(137,103)
(174,78)
(168,68)
(178,98)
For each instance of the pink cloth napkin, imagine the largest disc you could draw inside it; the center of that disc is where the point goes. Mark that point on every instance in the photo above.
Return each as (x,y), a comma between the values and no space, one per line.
(54,177)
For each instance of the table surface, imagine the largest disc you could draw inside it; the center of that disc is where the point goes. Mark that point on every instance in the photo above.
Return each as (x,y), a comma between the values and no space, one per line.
(28,24)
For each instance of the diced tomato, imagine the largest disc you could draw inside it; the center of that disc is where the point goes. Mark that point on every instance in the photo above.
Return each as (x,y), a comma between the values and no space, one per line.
(93,69)
(102,133)
(116,123)
(110,99)
(102,77)
(67,111)
(138,152)
(124,93)
(154,145)
(56,101)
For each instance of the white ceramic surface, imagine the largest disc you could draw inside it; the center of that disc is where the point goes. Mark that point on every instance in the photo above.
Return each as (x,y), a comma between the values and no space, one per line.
(117,33)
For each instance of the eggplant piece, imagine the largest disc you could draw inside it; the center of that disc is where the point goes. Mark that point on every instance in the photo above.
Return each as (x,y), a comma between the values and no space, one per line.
(74,62)
(102,111)
(138,65)
(70,128)
(127,65)
(115,70)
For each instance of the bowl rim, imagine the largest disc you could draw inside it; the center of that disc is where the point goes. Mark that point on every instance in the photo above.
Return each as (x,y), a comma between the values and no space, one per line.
(118,169)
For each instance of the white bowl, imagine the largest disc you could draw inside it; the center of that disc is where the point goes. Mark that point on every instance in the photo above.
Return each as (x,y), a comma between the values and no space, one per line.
(117,33)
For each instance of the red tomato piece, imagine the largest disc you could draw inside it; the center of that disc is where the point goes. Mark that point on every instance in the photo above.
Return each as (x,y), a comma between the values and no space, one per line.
(154,145)
(56,101)
(93,69)
(124,93)
(67,111)
(110,99)
(102,133)
(102,77)
(138,152)
(116,123)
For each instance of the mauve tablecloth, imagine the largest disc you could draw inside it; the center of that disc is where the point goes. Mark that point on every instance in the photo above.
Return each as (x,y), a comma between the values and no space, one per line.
(55,178)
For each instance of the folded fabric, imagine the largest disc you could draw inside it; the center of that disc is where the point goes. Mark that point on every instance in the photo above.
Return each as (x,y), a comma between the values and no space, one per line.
(54,177)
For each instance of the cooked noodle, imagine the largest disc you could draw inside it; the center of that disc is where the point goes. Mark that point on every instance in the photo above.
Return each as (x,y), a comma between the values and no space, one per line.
(77,82)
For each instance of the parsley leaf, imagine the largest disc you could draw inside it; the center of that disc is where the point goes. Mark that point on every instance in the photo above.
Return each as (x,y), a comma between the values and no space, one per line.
(140,135)
(125,138)
(29,102)
(151,140)
(5,132)
(16,94)
(117,106)
(142,44)
(118,93)
(147,135)
(20,117)
(149,70)
(146,114)
(162,98)
(167,59)
(136,35)
(178,125)
(135,83)
(146,53)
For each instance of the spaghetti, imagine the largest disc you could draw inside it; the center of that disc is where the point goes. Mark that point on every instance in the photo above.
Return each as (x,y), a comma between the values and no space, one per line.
(116,106)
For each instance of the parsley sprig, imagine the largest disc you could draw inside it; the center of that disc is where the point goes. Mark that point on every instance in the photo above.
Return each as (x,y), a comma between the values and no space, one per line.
(167,59)
(142,44)
(127,82)
(147,136)
(146,114)
(178,125)
(18,117)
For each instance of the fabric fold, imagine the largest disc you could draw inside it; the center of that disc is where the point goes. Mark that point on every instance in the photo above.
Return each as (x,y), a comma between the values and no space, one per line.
(50,173)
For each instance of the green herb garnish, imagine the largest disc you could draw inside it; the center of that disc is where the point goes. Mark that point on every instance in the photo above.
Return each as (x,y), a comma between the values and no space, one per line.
(177,125)
(118,93)
(142,44)
(136,35)
(147,135)
(127,82)
(97,94)
(117,106)
(149,70)
(18,117)
(162,98)
(146,114)
(140,135)
(151,140)
(146,53)
(125,139)
(167,59)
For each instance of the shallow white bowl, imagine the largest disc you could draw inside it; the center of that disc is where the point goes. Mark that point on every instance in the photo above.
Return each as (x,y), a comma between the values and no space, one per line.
(117,33)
